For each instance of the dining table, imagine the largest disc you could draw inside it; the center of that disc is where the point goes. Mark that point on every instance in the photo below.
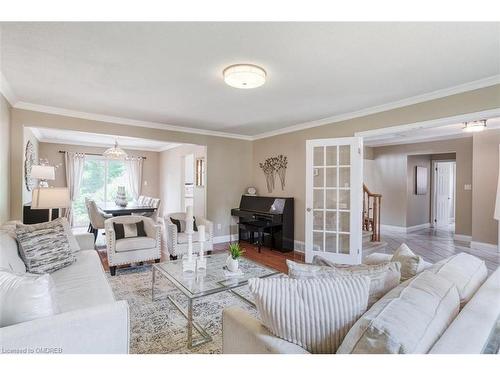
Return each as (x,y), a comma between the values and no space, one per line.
(132,207)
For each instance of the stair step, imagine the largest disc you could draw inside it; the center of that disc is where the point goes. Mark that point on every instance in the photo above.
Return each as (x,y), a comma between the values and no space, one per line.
(374,247)
(367,236)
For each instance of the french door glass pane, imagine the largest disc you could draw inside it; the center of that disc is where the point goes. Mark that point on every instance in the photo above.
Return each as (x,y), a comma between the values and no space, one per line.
(319,156)
(344,244)
(344,221)
(331,177)
(344,155)
(331,155)
(331,221)
(345,177)
(344,199)
(330,242)
(318,241)
(318,178)
(318,198)
(331,199)
(318,220)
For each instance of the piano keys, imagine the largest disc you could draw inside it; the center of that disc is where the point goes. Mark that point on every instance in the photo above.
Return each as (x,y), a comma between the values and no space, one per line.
(271,217)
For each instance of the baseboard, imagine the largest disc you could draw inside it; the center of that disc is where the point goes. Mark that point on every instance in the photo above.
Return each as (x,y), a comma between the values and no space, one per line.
(417,227)
(226,238)
(299,246)
(462,237)
(483,246)
(393,228)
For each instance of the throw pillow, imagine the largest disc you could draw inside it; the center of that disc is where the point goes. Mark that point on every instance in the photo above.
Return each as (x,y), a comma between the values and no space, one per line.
(25,297)
(409,261)
(181,225)
(383,277)
(315,314)
(44,247)
(129,230)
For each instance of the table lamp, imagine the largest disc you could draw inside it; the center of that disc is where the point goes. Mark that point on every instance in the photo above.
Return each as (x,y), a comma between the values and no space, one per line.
(49,198)
(43,173)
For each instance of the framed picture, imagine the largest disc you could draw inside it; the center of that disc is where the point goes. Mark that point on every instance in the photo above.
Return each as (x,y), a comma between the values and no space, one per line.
(420,180)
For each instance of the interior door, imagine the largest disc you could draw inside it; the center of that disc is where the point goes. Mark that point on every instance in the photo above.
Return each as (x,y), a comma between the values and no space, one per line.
(334,193)
(444,193)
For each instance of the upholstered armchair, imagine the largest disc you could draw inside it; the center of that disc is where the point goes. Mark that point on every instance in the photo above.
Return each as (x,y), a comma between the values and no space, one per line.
(177,243)
(132,249)
(96,217)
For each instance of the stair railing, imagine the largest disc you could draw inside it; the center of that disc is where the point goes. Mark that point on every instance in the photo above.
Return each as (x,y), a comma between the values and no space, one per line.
(371,213)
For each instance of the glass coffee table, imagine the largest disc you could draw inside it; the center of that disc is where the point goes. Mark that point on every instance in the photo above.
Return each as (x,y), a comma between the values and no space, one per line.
(215,279)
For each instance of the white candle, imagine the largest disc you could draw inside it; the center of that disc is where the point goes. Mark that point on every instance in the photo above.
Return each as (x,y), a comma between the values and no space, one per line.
(189,219)
(201,233)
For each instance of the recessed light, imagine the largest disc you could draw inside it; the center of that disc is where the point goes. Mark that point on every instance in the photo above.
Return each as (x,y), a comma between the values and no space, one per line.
(474,126)
(244,76)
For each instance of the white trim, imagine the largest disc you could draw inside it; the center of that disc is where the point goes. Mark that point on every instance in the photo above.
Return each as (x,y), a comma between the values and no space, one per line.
(462,237)
(226,238)
(431,123)
(393,228)
(124,121)
(6,90)
(417,227)
(474,85)
(483,246)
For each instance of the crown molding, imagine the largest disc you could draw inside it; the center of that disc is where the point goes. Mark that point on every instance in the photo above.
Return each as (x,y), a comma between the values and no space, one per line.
(474,85)
(125,121)
(6,90)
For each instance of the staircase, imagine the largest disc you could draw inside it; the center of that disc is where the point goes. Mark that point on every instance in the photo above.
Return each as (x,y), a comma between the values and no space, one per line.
(371,222)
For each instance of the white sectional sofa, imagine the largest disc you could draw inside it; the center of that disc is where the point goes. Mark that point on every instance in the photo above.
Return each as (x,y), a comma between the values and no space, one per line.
(90,319)
(469,332)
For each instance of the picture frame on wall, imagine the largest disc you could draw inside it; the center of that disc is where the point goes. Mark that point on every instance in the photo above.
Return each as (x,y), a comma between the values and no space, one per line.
(421,180)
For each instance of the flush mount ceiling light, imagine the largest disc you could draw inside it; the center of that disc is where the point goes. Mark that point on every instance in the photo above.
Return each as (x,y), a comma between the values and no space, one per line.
(115,153)
(244,76)
(474,126)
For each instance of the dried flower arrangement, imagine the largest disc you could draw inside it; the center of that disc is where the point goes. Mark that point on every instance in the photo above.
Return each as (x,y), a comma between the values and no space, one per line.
(274,165)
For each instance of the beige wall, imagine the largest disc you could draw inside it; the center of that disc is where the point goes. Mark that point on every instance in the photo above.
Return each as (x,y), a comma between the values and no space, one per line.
(293,145)
(418,207)
(51,152)
(171,165)
(29,136)
(484,186)
(462,148)
(228,170)
(4,160)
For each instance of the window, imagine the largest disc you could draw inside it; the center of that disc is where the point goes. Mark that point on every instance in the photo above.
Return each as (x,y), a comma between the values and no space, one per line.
(100,181)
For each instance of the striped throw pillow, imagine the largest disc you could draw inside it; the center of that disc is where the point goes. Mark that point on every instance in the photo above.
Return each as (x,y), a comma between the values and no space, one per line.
(315,314)
(44,247)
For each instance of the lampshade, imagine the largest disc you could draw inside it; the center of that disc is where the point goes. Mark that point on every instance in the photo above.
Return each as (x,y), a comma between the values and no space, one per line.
(43,172)
(114,153)
(44,198)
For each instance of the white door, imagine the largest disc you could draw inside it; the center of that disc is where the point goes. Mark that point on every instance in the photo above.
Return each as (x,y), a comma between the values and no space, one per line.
(444,186)
(334,193)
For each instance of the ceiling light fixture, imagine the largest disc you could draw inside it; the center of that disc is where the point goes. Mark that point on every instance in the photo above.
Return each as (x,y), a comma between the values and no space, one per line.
(115,153)
(474,126)
(244,76)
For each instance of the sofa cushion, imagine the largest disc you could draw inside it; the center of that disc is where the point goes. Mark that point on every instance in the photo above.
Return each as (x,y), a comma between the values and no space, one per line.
(383,277)
(315,313)
(83,284)
(466,271)
(410,262)
(9,253)
(134,243)
(25,297)
(408,319)
(44,247)
(377,258)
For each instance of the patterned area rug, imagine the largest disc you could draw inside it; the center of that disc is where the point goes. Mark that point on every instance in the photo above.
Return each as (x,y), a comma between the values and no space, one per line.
(157,326)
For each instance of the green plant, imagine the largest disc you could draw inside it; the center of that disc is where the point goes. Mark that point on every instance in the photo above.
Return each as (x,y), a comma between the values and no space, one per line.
(235,250)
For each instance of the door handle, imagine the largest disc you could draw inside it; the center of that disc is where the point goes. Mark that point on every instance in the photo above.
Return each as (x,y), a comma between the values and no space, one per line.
(308,209)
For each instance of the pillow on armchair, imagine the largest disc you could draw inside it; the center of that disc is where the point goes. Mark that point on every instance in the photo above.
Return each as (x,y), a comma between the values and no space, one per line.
(181,224)
(129,230)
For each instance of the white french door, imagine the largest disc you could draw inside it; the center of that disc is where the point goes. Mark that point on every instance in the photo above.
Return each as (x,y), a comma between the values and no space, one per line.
(444,187)
(334,193)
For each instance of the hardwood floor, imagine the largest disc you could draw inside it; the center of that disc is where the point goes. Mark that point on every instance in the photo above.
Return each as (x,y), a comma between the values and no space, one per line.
(431,244)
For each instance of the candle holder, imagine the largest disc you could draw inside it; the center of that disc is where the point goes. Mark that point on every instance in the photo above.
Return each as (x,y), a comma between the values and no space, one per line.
(201,261)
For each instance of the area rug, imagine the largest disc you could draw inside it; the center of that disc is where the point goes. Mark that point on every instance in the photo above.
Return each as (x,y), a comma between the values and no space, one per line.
(157,326)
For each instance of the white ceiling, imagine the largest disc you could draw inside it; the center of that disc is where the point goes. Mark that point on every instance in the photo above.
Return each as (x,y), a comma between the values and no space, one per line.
(416,135)
(71,137)
(171,73)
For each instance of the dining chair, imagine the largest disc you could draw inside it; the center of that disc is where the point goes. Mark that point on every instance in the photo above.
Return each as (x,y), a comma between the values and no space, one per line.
(96,217)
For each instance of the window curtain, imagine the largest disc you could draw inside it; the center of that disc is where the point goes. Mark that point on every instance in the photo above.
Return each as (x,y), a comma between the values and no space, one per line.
(134,173)
(74,162)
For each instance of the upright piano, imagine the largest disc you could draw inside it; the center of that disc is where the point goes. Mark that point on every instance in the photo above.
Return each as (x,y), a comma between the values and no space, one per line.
(271,217)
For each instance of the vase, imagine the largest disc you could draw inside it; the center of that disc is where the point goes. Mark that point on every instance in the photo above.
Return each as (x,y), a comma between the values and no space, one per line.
(121,197)
(232,264)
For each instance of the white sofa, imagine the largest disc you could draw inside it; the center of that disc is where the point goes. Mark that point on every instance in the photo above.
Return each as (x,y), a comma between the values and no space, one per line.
(90,319)
(468,332)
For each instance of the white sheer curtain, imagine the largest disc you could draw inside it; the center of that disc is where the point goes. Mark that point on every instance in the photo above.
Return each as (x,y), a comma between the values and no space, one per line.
(74,162)
(134,173)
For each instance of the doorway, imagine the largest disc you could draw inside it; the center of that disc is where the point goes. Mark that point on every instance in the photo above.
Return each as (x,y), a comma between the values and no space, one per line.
(444,194)
(188,186)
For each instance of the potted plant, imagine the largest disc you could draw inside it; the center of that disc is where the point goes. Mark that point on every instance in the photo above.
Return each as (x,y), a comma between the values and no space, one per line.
(235,251)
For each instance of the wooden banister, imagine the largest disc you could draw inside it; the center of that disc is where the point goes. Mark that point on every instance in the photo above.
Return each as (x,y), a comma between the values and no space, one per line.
(371,212)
